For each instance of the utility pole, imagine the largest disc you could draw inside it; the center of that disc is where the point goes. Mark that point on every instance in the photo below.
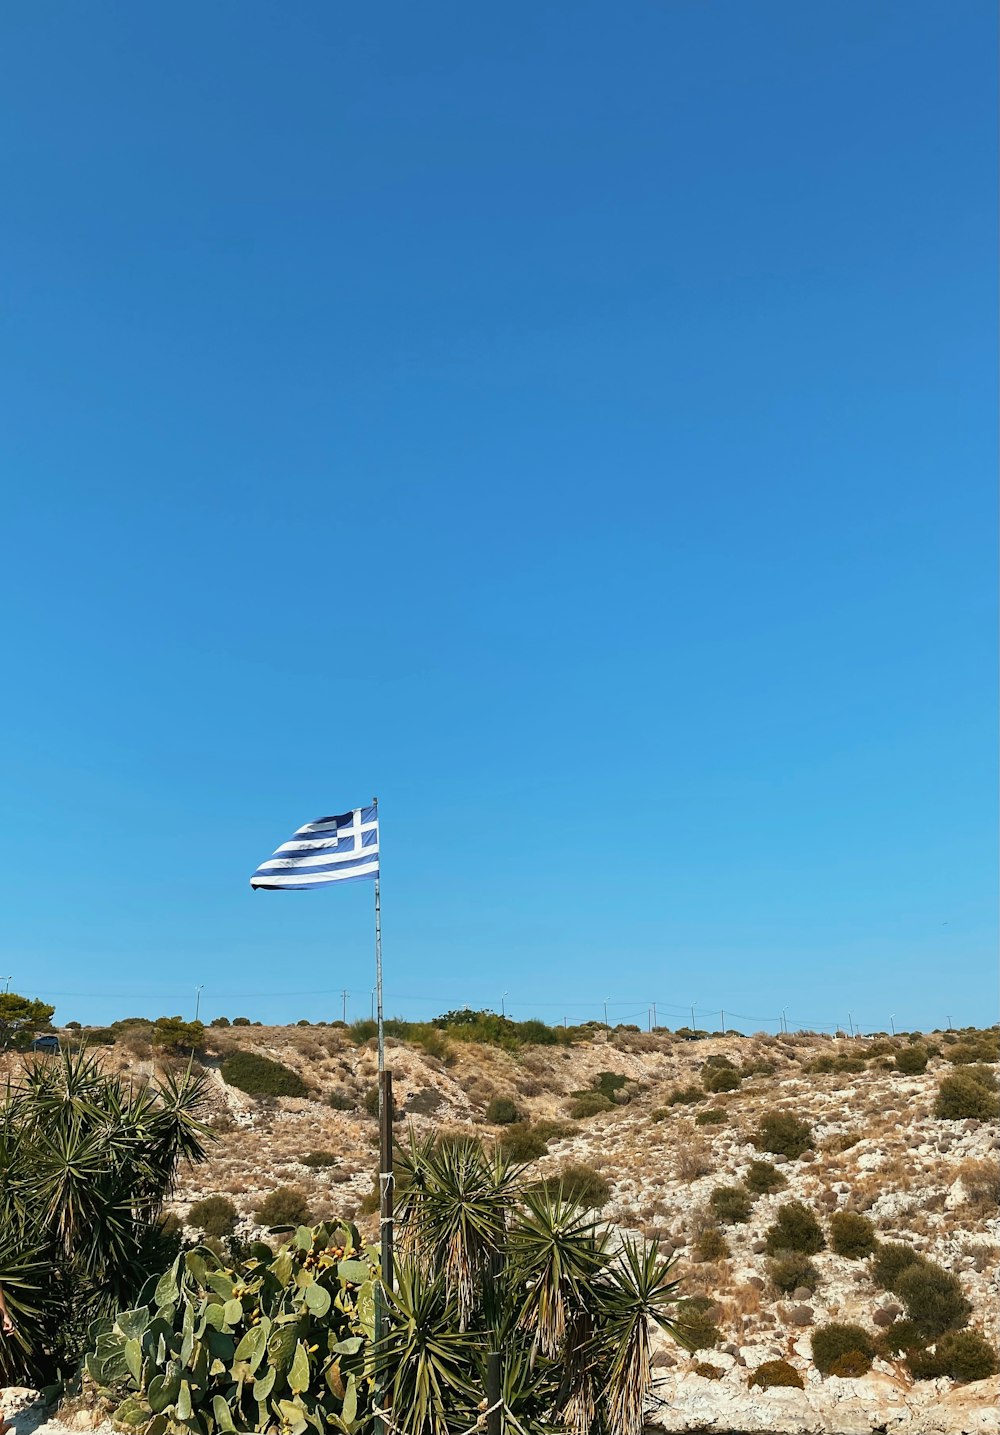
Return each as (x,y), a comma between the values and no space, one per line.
(891,1027)
(784,1024)
(197,999)
(343,997)
(655,1023)
(503,1009)
(6,983)
(949,1019)
(723,1015)
(850,1023)
(694,1024)
(605,1012)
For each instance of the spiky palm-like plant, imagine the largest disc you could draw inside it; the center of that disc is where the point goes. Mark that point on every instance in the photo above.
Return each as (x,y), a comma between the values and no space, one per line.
(86,1162)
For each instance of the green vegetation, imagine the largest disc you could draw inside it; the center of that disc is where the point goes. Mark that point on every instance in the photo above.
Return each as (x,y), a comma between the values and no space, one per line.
(340,1099)
(284,1206)
(933,1298)
(697,1329)
(711,1245)
(685,1096)
(579,1183)
(21,1017)
(777,1373)
(782,1134)
(214,1216)
(966,1095)
(889,1262)
(731,1205)
(834,1345)
(502,1111)
(261,1076)
(975,1046)
(720,1078)
(592,1103)
(86,1161)
(467,1025)
(900,1337)
(762,1178)
(912,1060)
(711,1116)
(851,1235)
(173,1033)
(320,1160)
(795,1229)
(792,1269)
(522,1142)
(962,1355)
(826,1064)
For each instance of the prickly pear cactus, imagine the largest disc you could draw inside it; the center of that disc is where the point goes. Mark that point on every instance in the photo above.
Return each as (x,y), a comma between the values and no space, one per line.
(283,1346)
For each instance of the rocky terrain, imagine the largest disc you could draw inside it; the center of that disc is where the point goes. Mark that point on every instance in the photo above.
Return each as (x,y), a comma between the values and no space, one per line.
(875,1148)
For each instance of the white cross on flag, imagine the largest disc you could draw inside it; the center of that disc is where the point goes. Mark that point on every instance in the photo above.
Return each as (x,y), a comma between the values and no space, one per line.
(331,849)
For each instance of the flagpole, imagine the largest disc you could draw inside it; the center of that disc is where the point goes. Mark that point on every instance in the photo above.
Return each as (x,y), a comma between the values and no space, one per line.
(385,1181)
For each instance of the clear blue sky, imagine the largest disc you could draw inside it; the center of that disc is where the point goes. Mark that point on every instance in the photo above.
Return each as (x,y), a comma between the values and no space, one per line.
(573,423)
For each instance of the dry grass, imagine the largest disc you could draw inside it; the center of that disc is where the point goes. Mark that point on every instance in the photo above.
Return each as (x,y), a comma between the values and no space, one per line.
(981,1181)
(692,1159)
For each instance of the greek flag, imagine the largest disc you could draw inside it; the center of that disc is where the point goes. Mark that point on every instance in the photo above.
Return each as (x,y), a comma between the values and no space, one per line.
(331,849)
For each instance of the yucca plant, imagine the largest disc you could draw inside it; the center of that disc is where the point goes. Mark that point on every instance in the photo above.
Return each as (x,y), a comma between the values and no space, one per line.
(87,1159)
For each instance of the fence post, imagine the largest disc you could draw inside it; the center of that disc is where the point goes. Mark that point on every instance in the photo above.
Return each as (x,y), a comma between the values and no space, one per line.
(494,1420)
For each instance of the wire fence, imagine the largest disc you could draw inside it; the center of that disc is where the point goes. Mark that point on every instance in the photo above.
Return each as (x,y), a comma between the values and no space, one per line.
(353,1004)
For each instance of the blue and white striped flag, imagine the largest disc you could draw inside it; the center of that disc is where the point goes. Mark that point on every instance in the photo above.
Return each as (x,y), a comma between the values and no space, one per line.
(331,849)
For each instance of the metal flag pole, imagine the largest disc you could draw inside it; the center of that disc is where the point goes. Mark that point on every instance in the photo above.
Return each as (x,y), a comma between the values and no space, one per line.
(385,1181)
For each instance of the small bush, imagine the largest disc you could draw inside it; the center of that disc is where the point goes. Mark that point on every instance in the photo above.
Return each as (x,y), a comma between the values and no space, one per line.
(284,1206)
(215,1215)
(260,1076)
(579,1182)
(851,1364)
(731,1205)
(696,1327)
(711,1116)
(685,1096)
(502,1111)
(550,1129)
(890,1261)
(795,1229)
(719,1078)
(851,1235)
(241,1021)
(831,1342)
(783,1134)
(591,1104)
(522,1142)
(924,1364)
(777,1373)
(342,1100)
(961,1097)
(711,1245)
(792,1269)
(762,1178)
(933,1299)
(912,1060)
(983,1046)
(966,1355)
(708,1371)
(902,1335)
(319,1160)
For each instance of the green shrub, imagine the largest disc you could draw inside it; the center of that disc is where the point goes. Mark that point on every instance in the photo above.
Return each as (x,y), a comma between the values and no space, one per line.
(900,1336)
(826,1065)
(215,1215)
(851,1235)
(831,1342)
(762,1178)
(777,1373)
(319,1160)
(502,1111)
(851,1364)
(241,1021)
(284,1206)
(552,1129)
(522,1142)
(791,1269)
(795,1229)
(707,1371)
(924,1364)
(99,1036)
(966,1355)
(982,1046)
(685,1096)
(369,1102)
(260,1076)
(579,1182)
(961,1097)
(591,1104)
(783,1134)
(731,1205)
(933,1299)
(711,1116)
(696,1327)
(711,1245)
(890,1261)
(719,1078)
(219,1021)
(340,1099)
(912,1060)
